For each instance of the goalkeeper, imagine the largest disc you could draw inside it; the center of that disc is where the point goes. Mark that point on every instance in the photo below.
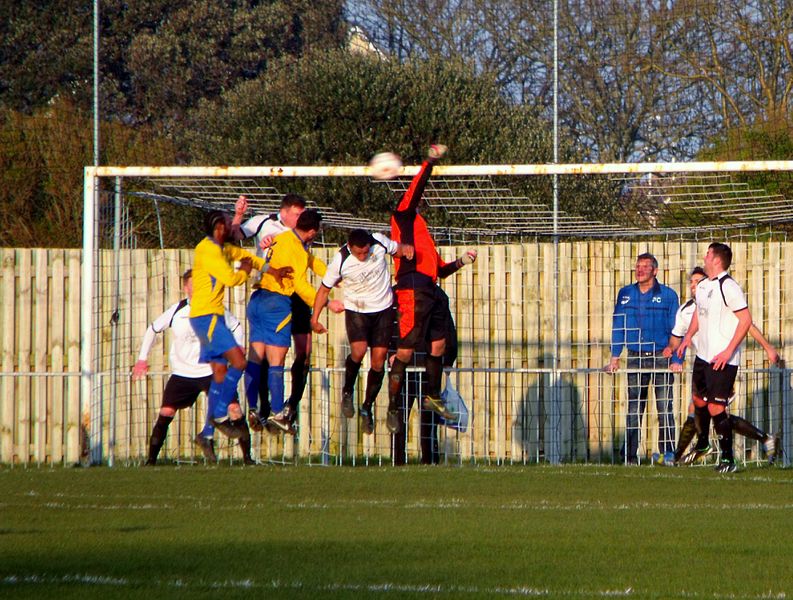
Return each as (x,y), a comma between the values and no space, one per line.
(422,307)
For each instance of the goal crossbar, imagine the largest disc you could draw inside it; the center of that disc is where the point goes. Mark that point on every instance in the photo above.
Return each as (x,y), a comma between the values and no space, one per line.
(456,170)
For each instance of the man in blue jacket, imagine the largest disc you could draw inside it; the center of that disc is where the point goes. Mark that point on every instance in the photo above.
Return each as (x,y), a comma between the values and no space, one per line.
(644,316)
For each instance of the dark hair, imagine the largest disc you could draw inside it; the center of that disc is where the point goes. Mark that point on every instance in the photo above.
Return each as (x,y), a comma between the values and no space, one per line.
(697,271)
(309,219)
(648,256)
(359,238)
(724,253)
(290,200)
(186,276)
(211,221)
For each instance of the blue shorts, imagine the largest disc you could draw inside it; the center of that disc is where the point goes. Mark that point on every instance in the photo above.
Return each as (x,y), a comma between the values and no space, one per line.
(215,337)
(270,318)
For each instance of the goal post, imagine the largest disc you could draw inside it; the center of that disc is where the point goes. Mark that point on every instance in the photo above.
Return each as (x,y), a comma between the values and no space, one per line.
(535,314)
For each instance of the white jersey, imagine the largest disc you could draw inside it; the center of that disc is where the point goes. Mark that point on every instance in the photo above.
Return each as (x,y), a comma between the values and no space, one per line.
(683,320)
(367,283)
(717,302)
(261,226)
(185,348)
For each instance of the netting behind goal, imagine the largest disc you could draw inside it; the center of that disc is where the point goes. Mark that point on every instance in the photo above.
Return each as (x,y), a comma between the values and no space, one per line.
(533,313)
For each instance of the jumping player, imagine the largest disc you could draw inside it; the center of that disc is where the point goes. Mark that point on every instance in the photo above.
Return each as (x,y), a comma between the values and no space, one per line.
(212,273)
(270,309)
(263,229)
(368,316)
(422,310)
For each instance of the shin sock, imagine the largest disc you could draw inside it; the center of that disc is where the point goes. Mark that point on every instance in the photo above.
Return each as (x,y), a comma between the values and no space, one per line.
(396,379)
(434,375)
(351,369)
(721,423)
(157,439)
(374,381)
(686,435)
(253,376)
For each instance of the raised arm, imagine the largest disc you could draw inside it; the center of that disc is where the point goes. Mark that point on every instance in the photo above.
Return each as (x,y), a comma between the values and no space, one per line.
(770,351)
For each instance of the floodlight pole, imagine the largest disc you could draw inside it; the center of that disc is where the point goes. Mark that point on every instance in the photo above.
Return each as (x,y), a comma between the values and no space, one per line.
(93,428)
(554,454)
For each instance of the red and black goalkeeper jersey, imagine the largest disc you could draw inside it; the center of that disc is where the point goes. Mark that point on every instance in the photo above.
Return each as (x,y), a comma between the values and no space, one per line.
(409,227)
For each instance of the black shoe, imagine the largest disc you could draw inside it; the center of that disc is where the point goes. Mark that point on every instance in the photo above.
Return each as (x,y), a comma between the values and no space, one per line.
(437,405)
(255,421)
(280,421)
(347,406)
(228,428)
(152,462)
(248,461)
(726,466)
(392,421)
(697,454)
(367,419)
(207,446)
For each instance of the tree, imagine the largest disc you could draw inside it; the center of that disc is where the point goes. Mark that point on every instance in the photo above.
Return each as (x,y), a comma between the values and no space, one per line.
(42,156)
(159,57)
(336,108)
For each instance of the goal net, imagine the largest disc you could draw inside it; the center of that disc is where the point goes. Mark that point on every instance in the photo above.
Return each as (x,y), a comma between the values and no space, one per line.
(534,313)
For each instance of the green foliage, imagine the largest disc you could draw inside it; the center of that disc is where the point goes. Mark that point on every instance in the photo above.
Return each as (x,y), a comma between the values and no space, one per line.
(338,108)
(157,57)
(765,140)
(42,157)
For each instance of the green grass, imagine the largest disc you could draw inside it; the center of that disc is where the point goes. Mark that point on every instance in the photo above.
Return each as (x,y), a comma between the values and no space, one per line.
(552,532)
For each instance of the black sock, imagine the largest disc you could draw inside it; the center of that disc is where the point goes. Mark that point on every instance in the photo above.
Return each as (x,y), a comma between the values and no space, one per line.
(745,428)
(702,420)
(434,373)
(396,379)
(374,381)
(686,435)
(721,423)
(351,369)
(299,371)
(264,391)
(157,439)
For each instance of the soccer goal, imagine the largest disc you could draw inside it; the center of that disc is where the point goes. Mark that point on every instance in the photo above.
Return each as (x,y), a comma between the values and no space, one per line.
(534,312)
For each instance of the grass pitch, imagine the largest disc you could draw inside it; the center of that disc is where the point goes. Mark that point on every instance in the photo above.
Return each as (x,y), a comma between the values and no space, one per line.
(550,532)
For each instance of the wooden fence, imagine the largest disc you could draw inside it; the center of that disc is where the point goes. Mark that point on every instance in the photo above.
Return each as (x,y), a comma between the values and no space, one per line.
(513,310)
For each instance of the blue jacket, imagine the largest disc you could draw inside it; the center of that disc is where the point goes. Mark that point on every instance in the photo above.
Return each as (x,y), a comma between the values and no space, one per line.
(643,322)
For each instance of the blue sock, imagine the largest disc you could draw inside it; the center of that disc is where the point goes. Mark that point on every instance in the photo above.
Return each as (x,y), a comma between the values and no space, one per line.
(275,379)
(215,390)
(228,391)
(253,376)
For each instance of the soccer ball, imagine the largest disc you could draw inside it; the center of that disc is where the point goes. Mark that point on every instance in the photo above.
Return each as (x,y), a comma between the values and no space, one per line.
(385,165)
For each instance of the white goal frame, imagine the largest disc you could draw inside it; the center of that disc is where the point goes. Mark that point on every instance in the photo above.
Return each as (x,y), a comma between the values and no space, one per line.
(93,174)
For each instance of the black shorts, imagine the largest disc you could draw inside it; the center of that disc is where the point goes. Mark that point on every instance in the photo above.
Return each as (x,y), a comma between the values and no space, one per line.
(713,386)
(423,314)
(301,316)
(376,329)
(182,392)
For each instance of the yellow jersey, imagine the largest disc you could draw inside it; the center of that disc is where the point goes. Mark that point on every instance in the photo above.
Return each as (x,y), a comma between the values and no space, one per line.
(213,272)
(288,250)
